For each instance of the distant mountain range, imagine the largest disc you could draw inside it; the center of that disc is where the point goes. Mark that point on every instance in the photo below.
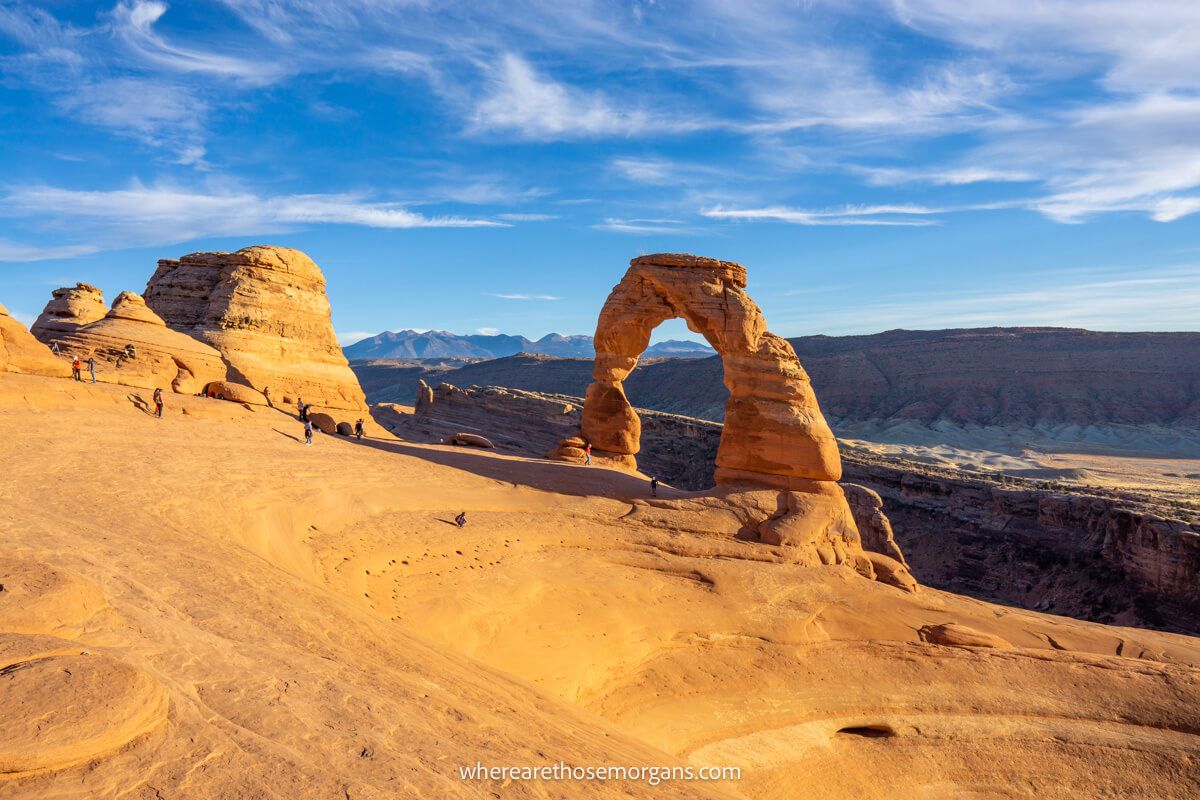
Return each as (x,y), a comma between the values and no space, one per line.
(443,344)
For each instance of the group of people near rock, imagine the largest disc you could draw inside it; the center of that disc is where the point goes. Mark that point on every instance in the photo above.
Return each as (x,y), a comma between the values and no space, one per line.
(302,412)
(77,368)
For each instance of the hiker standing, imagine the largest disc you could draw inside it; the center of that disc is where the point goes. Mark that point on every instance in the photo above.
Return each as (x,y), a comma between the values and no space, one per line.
(588,452)
(92,368)
(300,408)
(653,486)
(75,367)
(307,433)
(158,402)
(358,429)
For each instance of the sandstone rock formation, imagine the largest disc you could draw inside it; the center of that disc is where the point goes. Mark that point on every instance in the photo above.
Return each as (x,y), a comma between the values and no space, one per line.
(133,346)
(265,310)
(323,422)
(953,634)
(774,435)
(873,525)
(570,448)
(774,431)
(235,393)
(20,352)
(461,439)
(69,308)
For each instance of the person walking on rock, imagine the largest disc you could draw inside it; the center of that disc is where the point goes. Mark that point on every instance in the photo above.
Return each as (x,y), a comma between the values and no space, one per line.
(92,368)
(307,433)
(358,429)
(588,453)
(158,402)
(75,367)
(653,486)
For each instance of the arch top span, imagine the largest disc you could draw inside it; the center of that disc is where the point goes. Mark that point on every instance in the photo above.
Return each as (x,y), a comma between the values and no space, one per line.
(774,430)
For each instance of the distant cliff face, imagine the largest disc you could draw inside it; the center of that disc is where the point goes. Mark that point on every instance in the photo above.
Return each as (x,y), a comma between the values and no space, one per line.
(999,376)
(266,311)
(989,376)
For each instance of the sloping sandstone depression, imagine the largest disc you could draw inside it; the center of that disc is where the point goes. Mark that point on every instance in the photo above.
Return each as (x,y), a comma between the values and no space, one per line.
(327,593)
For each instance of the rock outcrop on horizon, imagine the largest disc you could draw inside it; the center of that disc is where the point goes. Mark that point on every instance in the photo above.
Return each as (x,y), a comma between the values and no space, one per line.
(20,352)
(265,310)
(133,346)
(70,308)
(774,431)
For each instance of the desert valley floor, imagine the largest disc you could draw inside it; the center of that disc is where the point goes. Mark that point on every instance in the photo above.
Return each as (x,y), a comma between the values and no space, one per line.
(202,607)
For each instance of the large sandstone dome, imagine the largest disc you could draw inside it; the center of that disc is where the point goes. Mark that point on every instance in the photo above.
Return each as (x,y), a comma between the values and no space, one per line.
(265,309)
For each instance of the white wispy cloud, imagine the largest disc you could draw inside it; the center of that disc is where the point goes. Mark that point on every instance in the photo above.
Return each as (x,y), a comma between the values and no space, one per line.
(527,217)
(15,251)
(647,226)
(145,215)
(157,112)
(885,215)
(488,331)
(133,23)
(523,102)
(944,176)
(526,296)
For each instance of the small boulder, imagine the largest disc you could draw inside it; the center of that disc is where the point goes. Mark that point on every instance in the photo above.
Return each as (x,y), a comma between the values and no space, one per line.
(235,392)
(470,440)
(345,429)
(570,449)
(953,634)
(323,422)
(890,571)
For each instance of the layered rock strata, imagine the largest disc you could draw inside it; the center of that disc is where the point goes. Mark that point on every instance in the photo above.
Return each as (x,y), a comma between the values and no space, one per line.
(133,346)
(70,308)
(265,310)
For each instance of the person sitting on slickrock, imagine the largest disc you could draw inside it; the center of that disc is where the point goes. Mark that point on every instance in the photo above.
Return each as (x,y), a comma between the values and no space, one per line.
(461,519)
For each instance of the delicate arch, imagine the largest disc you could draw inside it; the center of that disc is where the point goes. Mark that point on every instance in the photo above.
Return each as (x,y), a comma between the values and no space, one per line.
(774,430)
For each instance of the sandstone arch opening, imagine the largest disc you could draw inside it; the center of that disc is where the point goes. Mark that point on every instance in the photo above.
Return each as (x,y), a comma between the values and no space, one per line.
(774,431)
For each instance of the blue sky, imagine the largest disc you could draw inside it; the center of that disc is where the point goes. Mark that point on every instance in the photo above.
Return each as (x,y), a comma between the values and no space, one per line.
(493,166)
